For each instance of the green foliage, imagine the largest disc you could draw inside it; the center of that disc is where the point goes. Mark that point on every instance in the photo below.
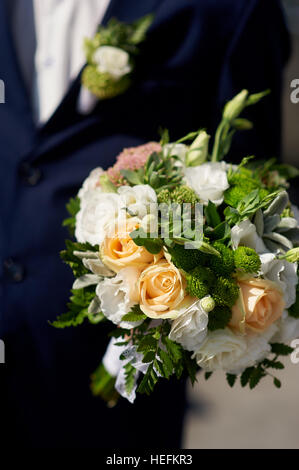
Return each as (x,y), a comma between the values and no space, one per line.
(208,375)
(77,308)
(224,265)
(130,376)
(200,282)
(281,349)
(247,260)
(219,318)
(253,375)
(187,259)
(225,292)
(73,207)
(135,315)
(231,379)
(248,206)
(73,261)
(212,217)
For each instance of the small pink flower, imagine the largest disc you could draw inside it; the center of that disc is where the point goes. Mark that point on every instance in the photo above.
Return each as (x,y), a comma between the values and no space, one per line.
(131,158)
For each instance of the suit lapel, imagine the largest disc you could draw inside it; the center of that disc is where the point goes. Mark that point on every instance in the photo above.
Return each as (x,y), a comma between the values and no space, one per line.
(16,112)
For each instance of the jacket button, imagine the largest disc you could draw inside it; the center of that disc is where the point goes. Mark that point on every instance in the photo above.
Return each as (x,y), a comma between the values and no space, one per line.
(31,175)
(14,271)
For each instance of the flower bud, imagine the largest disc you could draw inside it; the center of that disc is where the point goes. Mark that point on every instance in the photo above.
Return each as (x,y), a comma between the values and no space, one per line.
(198,151)
(234,107)
(292,255)
(207,303)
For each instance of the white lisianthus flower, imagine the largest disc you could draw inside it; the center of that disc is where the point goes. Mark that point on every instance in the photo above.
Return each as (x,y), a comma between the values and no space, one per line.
(295,211)
(112,60)
(288,329)
(283,273)
(118,295)
(209,181)
(176,150)
(245,234)
(91,183)
(232,352)
(97,216)
(190,328)
(137,199)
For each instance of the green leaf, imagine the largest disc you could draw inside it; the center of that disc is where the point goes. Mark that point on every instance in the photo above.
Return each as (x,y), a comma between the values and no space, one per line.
(148,382)
(149,356)
(166,362)
(231,379)
(174,349)
(77,308)
(287,171)
(191,366)
(245,377)
(73,261)
(256,375)
(130,376)
(147,343)
(131,176)
(73,207)
(135,315)
(281,349)
(140,28)
(212,217)
(273,364)
(208,375)
(277,382)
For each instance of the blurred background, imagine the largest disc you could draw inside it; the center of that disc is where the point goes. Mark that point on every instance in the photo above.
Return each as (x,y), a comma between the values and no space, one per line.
(264,418)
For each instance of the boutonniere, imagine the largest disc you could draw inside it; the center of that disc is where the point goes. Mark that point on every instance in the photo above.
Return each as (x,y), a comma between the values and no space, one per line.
(110,57)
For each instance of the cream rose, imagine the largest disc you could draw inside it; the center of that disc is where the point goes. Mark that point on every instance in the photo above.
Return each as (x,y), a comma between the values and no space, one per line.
(260,304)
(112,60)
(119,250)
(162,291)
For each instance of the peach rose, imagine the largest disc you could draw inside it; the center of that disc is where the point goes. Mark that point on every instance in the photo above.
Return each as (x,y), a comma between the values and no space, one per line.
(119,250)
(162,290)
(260,304)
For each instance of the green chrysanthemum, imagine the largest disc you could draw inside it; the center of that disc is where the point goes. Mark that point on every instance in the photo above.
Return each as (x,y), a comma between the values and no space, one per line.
(187,259)
(184,194)
(164,197)
(224,265)
(225,292)
(240,185)
(200,282)
(247,260)
(219,318)
(103,85)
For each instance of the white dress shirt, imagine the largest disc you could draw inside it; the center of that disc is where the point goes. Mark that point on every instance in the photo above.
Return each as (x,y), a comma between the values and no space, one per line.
(60,29)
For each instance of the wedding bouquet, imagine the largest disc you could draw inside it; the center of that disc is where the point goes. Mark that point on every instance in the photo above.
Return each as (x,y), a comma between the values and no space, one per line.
(194,260)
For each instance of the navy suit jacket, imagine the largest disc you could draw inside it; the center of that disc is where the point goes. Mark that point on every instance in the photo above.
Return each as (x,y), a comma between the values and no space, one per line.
(198,54)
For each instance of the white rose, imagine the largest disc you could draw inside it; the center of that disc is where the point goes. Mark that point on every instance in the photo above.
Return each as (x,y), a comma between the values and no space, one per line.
(190,328)
(98,214)
(283,273)
(118,295)
(137,199)
(112,60)
(91,183)
(209,181)
(258,348)
(221,350)
(245,234)
(231,352)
